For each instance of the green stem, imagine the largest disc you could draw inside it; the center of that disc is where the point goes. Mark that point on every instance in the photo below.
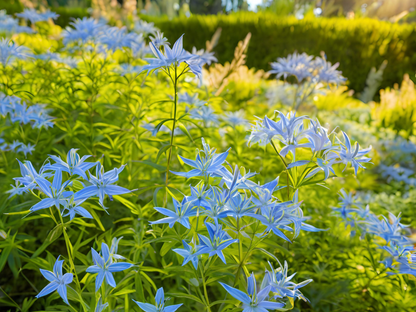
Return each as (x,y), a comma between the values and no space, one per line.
(287,170)
(71,260)
(239,240)
(205,288)
(172,136)
(11,299)
(294,105)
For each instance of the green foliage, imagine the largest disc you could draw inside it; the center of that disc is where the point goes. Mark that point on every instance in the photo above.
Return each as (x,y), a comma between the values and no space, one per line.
(358,45)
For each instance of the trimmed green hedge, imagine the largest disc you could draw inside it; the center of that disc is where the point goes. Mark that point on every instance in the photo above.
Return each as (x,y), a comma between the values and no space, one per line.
(357,44)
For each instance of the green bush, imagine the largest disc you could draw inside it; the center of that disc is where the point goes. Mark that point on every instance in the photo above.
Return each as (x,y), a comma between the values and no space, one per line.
(66,15)
(357,44)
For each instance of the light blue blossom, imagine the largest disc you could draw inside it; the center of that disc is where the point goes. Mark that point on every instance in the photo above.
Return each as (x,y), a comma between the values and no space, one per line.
(159,305)
(83,31)
(288,129)
(216,204)
(298,65)
(114,249)
(15,145)
(29,175)
(57,280)
(26,149)
(348,205)
(204,113)
(8,103)
(239,206)
(328,73)
(37,115)
(100,305)
(253,301)
(10,25)
(118,38)
(265,199)
(218,240)
(281,285)
(324,166)
(74,165)
(159,40)
(204,57)
(102,184)
(10,51)
(183,211)
(33,16)
(17,189)
(279,216)
(236,118)
(207,165)
(389,230)
(347,154)
(104,266)
(72,207)
(200,195)
(174,56)
(191,99)
(145,28)
(318,137)
(55,192)
(234,179)
(190,252)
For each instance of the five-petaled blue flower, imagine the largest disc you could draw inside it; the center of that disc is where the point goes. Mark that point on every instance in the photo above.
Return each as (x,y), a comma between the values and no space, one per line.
(208,165)
(218,240)
(102,185)
(105,266)
(190,252)
(159,305)
(174,56)
(73,165)
(253,301)
(281,285)
(57,280)
(55,192)
(183,211)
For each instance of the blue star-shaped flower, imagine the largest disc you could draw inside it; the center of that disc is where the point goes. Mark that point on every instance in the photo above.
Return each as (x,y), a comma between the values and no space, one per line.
(57,281)
(218,240)
(105,266)
(183,211)
(159,306)
(253,301)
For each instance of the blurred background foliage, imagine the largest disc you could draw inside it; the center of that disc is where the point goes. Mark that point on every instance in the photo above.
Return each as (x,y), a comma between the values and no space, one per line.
(364,34)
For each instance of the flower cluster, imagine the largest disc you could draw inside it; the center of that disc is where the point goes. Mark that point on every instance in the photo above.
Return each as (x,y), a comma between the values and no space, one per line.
(63,195)
(10,51)
(104,266)
(235,197)
(303,67)
(10,25)
(311,74)
(275,286)
(291,133)
(393,234)
(34,16)
(17,147)
(36,115)
(85,30)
